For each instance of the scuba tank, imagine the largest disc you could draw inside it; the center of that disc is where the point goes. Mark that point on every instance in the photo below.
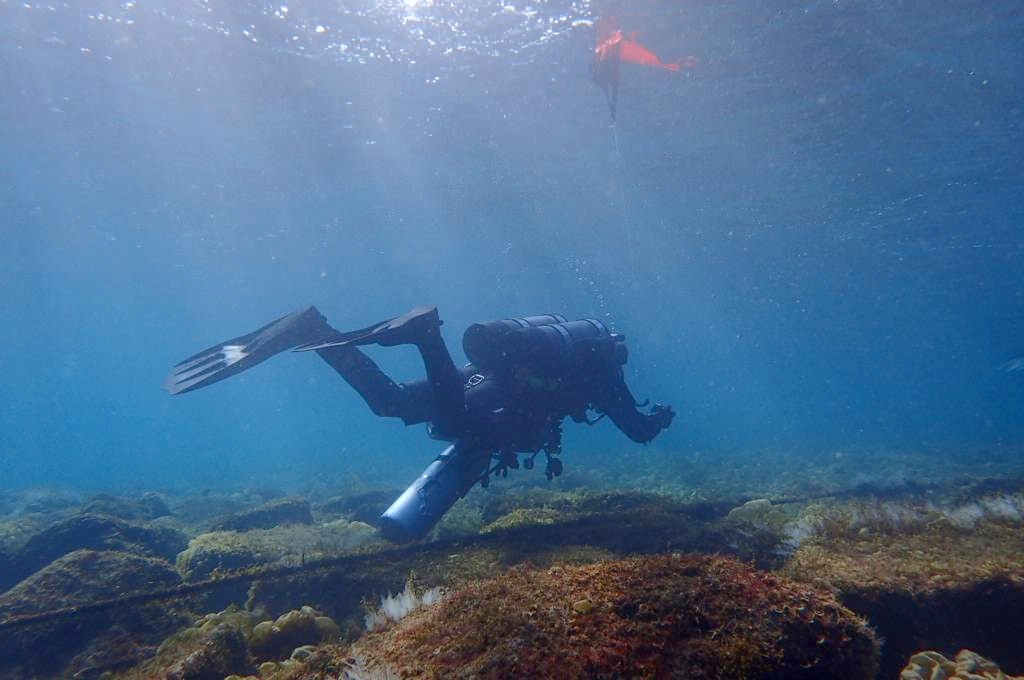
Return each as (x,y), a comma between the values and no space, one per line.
(446,480)
(547,341)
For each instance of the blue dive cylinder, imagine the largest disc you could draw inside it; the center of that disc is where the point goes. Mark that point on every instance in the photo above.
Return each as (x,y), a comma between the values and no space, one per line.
(446,480)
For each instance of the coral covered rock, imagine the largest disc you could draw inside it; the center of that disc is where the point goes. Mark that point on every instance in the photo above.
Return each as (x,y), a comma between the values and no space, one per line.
(148,506)
(910,585)
(220,551)
(234,641)
(277,639)
(275,513)
(216,645)
(222,653)
(917,563)
(364,507)
(93,532)
(968,665)
(85,576)
(99,635)
(7,567)
(760,512)
(698,616)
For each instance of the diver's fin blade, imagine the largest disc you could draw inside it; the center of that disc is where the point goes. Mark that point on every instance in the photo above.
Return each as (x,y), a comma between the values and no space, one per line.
(361,337)
(223,360)
(321,345)
(395,331)
(217,363)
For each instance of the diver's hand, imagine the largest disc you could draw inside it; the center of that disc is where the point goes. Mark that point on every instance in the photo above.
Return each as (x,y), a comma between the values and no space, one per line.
(662,415)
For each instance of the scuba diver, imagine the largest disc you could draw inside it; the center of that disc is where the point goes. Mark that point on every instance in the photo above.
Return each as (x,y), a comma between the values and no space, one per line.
(524,377)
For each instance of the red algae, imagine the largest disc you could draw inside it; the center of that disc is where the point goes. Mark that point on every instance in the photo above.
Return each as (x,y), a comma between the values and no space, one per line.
(649,617)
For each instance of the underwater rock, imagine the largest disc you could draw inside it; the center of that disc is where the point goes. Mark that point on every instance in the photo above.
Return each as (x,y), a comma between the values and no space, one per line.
(238,642)
(753,532)
(267,493)
(523,517)
(660,616)
(199,510)
(220,551)
(148,506)
(114,650)
(46,501)
(84,576)
(8,566)
(275,513)
(940,587)
(365,507)
(223,653)
(77,580)
(278,639)
(968,665)
(213,554)
(92,532)
(622,522)
(208,633)
(573,504)
(760,513)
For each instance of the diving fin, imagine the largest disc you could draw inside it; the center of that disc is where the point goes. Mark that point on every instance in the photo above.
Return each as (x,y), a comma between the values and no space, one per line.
(304,327)
(408,328)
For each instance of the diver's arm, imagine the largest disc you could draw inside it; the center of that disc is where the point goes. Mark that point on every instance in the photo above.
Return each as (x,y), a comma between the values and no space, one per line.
(233,356)
(619,404)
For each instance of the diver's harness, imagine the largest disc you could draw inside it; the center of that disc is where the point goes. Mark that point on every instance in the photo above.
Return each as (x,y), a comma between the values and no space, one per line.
(506,460)
(552,343)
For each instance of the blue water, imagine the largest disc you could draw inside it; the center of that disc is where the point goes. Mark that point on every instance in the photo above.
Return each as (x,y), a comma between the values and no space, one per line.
(812,240)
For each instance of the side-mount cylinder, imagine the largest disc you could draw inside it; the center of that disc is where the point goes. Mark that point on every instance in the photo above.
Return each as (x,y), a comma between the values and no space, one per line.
(446,480)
